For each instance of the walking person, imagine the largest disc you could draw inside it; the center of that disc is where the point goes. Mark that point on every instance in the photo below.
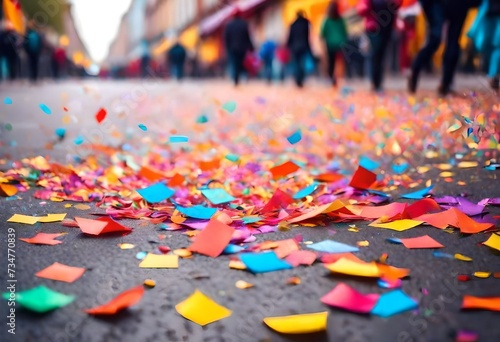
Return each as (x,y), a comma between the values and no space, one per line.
(145,59)
(300,48)
(334,34)
(238,43)
(437,14)
(176,59)
(33,45)
(485,33)
(267,52)
(380,19)
(58,61)
(9,43)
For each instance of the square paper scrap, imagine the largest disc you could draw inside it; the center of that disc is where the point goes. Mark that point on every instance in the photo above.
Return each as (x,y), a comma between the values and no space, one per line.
(201,309)
(421,242)
(344,297)
(263,262)
(330,246)
(392,303)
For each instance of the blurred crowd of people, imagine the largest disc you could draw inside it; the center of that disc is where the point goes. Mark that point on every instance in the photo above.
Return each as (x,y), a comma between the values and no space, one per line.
(22,54)
(388,32)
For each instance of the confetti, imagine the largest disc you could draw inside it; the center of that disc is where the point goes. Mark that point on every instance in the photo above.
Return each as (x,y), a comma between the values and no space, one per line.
(101,115)
(201,309)
(61,272)
(122,301)
(298,324)
(41,299)
(45,109)
(7,101)
(142,127)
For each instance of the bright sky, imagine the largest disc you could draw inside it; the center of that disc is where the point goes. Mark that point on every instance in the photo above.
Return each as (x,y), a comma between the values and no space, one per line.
(97,23)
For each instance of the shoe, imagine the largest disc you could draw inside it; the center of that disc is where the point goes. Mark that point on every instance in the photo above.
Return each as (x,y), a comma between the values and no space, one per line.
(444,91)
(412,83)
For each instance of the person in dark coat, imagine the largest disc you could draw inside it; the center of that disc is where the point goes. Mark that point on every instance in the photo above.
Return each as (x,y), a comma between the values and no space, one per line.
(380,19)
(237,42)
(9,42)
(298,44)
(437,14)
(176,58)
(33,45)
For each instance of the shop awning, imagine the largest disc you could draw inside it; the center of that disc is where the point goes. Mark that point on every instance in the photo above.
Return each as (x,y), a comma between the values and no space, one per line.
(219,18)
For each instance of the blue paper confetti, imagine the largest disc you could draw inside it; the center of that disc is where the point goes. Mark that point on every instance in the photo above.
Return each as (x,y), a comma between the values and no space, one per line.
(141,255)
(443,255)
(7,101)
(330,246)
(217,195)
(202,119)
(392,303)
(418,194)
(251,219)
(142,127)
(60,132)
(400,168)
(263,262)
(229,107)
(197,211)
(295,137)
(232,157)
(178,139)
(232,249)
(368,163)
(79,140)
(156,193)
(394,240)
(306,191)
(45,109)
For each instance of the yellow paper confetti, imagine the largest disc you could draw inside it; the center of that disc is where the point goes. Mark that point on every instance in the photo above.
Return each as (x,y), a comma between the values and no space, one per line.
(241,284)
(293,281)
(126,245)
(467,164)
(201,309)
(298,324)
(237,265)
(346,266)
(68,205)
(493,242)
(183,253)
(483,275)
(363,243)
(159,261)
(52,218)
(446,174)
(82,206)
(149,283)
(462,257)
(399,225)
(25,219)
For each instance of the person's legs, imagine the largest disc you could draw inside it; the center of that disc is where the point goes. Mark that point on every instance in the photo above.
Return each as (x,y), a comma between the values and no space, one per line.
(435,19)
(452,51)
(299,61)
(378,42)
(332,53)
(12,67)
(238,66)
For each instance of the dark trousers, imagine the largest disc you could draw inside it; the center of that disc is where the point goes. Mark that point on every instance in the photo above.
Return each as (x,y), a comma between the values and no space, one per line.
(236,60)
(436,16)
(268,68)
(12,66)
(332,55)
(177,69)
(378,42)
(33,60)
(55,69)
(299,64)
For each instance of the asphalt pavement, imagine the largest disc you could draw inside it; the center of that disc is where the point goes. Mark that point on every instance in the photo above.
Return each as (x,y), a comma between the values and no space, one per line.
(111,270)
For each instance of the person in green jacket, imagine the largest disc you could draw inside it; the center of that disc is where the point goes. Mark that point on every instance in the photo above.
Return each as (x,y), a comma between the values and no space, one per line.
(334,33)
